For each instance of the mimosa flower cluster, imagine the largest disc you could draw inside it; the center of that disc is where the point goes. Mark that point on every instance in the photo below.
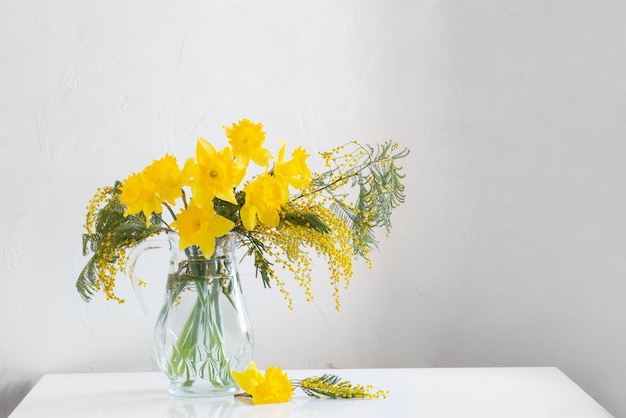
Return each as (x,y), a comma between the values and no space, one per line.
(282,214)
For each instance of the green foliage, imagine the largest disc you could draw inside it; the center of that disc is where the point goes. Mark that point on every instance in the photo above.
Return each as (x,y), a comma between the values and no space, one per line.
(257,250)
(229,210)
(380,190)
(87,280)
(112,230)
(306,220)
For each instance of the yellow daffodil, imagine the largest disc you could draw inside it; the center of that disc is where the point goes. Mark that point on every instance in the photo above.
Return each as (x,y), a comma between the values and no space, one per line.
(166,178)
(295,172)
(214,174)
(273,387)
(264,198)
(145,191)
(276,388)
(138,196)
(200,226)
(247,138)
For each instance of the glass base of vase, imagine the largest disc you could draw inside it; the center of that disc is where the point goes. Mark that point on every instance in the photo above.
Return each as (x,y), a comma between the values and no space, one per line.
(199,390)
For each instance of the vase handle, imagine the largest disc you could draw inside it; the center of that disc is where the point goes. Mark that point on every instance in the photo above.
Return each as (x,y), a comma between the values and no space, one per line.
(155,243)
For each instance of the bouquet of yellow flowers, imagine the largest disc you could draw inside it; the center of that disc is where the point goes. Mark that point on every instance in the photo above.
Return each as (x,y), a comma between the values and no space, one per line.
(268,219)
(282,216)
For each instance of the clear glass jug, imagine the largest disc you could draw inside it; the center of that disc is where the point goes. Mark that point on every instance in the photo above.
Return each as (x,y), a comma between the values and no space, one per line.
(203,331)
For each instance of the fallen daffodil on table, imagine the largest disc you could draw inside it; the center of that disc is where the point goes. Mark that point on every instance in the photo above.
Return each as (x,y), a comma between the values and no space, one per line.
(272,387)
(275,386)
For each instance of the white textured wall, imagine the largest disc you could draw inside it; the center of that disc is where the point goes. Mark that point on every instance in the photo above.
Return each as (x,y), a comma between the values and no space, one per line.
(509,251)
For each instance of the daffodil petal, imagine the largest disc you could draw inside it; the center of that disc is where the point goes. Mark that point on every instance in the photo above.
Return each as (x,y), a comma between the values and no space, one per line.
(220,226)
(248,216)
(227,195)
(204,150)
(248,379)
(261,156)
(269,217)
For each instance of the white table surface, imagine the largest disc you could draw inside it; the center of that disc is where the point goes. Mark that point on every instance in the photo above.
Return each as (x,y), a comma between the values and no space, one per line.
(506,392)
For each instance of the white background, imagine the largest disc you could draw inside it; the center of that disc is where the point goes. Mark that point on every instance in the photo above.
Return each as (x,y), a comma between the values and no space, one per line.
(508,252)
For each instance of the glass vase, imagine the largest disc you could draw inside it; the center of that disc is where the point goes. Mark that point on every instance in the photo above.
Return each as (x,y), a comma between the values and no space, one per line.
(202,332)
